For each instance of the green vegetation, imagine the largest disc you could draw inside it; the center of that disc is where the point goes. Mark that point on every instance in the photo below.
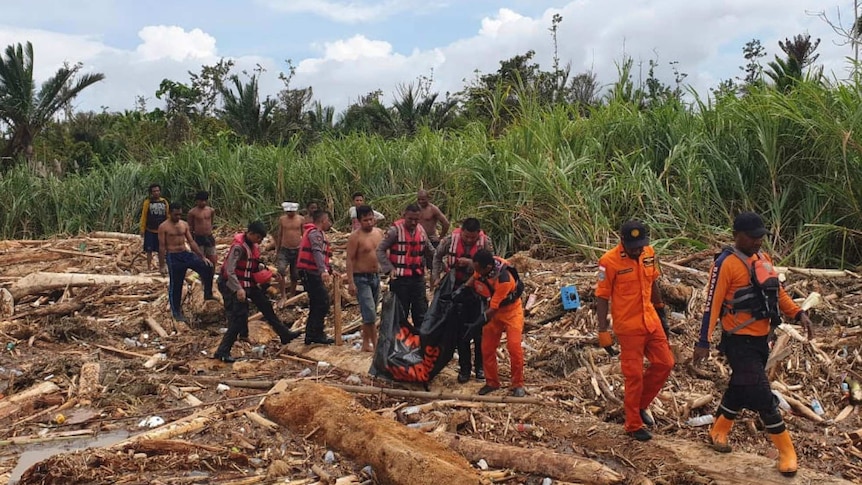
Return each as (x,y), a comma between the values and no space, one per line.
(552,177)
(539,156)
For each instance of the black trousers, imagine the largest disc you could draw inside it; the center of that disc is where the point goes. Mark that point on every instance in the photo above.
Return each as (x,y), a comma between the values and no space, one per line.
(469,309)
(318,304)
(749,385)
(237,316)
(411,293)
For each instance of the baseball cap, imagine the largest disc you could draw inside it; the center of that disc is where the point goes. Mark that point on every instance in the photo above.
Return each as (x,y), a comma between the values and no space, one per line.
(751,224)
(290,206)
(634,234)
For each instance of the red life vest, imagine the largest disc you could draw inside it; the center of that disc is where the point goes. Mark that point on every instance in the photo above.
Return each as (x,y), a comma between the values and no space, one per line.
(248,263)
(305,260)
(456,250)
(407,255)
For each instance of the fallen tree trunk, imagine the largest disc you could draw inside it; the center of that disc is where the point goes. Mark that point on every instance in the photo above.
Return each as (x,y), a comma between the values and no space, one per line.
(35,283)
(540,461)
(188,424)
(397,454)
(59,309)
(88,383)
(436,395)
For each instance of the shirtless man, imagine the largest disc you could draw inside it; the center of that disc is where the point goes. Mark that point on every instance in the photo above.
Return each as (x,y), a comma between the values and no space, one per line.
(200,219)
(173,235)
(429,216)
(363,279)
(288,235)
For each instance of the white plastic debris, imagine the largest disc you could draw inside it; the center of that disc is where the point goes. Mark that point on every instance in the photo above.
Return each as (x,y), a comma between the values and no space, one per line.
(305,372)
(329,457)
(222,388)
(151,422)
(323,365)
(482,464)
(547,481)
(353,380)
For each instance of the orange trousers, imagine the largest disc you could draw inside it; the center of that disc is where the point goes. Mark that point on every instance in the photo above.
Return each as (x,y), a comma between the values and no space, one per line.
(643,386)
(511,321)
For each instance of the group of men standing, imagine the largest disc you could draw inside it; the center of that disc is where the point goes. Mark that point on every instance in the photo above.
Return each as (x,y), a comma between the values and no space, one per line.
(744,295)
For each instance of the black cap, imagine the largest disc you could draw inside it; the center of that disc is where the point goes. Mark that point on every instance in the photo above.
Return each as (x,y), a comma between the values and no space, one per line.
(751,224)
(634,234)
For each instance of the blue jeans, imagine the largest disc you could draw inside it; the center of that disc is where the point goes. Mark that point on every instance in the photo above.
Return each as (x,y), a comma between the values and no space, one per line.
(367,293)
(178,264)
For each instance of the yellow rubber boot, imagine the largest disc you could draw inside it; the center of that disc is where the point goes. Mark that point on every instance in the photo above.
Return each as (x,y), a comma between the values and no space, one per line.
(718,434)
(786,453)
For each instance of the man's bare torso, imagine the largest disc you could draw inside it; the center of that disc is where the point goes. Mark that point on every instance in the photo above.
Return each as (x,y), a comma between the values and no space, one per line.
(291,231)
(428,217)
(201,220)
(174,235)
(365,255)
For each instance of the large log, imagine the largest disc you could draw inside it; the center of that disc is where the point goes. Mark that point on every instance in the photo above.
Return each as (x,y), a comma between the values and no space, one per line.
(115,235)
(42,282)
(541,461)
(188,424)
(398,454)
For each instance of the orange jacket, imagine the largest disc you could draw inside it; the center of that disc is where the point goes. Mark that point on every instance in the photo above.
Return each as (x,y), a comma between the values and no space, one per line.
(627,284)
(497,285)
(727,275)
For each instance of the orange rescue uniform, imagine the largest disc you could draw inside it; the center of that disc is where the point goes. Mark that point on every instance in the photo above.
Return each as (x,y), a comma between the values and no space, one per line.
(509,318)
(729,274)
(627,284)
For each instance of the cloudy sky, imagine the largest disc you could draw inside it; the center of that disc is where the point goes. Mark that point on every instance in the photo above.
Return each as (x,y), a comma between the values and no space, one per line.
(345,48)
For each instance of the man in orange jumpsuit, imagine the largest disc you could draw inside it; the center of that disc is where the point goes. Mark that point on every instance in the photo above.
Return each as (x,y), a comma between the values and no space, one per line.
(496,281)
(746,311)
(627,277)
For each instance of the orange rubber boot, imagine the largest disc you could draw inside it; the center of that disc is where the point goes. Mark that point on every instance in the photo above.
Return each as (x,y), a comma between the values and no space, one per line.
(718,434)
(786,453)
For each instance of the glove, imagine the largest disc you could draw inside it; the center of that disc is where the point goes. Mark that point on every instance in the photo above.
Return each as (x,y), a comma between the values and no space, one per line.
(662,315)
(606,341)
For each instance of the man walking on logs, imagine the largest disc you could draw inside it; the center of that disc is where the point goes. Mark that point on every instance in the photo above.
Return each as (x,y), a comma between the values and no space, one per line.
(244,278)
(745,294)
(628,278)
(316,274)
(288,235)
(173,235)
(200,218)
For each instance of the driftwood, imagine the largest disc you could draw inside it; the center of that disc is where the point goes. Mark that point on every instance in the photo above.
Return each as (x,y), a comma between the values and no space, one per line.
(42,282)
(16,402)
(171,430)
(115,235)
(161,447)
(28,257)
(436,395)
(58,309)
(336,309)
(88,382)
(154,325)
(542,461)
(396,453)
(82,254)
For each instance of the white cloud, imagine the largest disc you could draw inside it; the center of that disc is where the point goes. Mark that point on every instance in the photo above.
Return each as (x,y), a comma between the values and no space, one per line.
(351,11)
(172,42)
(705,37)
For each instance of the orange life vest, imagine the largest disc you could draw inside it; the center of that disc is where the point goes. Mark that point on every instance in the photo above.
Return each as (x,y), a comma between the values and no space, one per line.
(407,255)
(485,286)
(305,260)
(456,250)
(248,263)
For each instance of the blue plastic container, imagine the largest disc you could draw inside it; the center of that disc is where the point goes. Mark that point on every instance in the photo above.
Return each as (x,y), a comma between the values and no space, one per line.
(570,297)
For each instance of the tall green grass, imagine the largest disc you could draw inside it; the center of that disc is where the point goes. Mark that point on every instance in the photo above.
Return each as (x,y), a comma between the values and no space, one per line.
(553,178)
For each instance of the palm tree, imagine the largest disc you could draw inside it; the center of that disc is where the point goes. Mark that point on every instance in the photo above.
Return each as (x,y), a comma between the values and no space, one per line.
(244,112)
(23,109)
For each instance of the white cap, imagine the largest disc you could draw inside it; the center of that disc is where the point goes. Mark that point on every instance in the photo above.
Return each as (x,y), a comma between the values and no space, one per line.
(290,206)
